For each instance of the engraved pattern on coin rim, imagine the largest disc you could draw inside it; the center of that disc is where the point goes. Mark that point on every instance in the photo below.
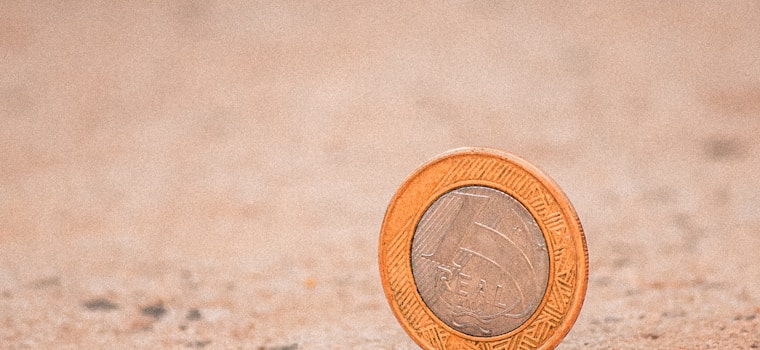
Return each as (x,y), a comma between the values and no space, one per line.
(547,204)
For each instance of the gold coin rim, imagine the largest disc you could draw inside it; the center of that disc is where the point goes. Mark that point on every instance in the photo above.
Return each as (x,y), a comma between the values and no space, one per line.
(418,192)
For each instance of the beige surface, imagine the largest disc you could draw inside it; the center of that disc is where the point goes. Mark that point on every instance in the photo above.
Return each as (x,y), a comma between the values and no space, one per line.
(215,175)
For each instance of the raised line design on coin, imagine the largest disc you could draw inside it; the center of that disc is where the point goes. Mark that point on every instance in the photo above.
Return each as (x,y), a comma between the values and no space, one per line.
(479,261)
(481,250)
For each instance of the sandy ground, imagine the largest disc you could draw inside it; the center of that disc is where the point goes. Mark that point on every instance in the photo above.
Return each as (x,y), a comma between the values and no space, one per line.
(214,175)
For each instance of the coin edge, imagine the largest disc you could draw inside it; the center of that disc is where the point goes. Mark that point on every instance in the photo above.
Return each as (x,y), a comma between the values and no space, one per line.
(567,210)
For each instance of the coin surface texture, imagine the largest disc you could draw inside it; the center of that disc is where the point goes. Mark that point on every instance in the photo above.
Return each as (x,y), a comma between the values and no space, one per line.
(480,250)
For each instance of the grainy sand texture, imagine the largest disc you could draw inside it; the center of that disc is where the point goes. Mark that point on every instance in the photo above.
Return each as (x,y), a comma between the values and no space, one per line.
(214,174)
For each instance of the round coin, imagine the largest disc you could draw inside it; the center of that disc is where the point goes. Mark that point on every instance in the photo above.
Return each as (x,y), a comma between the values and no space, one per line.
(481,250)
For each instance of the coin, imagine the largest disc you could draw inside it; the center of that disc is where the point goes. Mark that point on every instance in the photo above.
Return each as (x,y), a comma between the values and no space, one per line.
(481,250)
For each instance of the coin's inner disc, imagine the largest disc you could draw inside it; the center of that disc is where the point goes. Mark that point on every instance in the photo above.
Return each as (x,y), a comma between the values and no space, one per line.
(480,261)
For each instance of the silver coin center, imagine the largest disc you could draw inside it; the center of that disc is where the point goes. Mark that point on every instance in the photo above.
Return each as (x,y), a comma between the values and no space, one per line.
(480,261)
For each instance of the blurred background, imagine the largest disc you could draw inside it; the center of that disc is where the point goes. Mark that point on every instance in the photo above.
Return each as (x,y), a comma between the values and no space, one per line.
(215,174)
